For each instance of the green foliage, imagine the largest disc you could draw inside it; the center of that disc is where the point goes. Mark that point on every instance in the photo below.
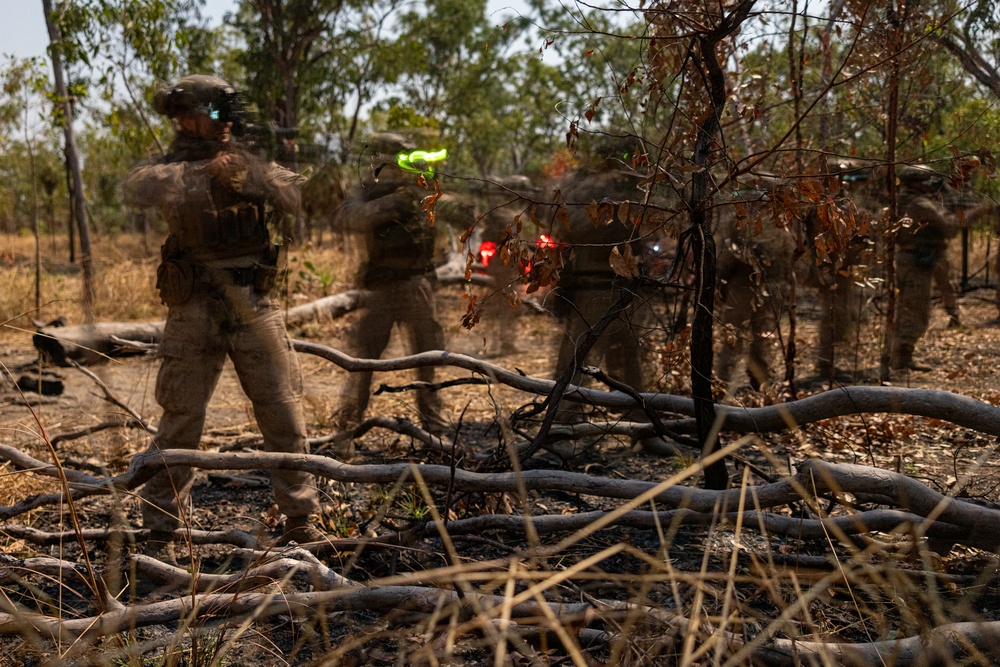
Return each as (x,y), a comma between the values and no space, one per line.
(25,133)
(503,97)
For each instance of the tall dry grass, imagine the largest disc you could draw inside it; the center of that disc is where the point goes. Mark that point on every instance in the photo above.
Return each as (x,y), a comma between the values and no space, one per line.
(125,266)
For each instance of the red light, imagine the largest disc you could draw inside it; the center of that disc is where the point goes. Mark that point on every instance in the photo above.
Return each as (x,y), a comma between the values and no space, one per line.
(487,250)
(543,242)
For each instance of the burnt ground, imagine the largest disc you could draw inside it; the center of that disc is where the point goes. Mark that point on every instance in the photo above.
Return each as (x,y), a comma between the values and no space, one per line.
(964,360)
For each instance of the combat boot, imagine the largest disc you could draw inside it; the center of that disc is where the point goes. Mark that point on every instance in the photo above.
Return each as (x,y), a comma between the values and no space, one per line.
(901,358)
(161,546)
(301,530)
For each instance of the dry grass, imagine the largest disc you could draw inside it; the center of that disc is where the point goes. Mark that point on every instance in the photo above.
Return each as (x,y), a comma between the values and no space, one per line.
(678,595)
(125,267)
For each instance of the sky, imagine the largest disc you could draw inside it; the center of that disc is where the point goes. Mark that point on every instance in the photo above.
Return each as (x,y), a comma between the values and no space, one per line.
(23,33)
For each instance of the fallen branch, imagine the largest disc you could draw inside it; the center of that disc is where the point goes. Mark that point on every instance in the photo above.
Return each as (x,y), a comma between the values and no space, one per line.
(93,343)
(270,570)
(232,537)
(840,402)
(60,438)
(981,525)
(261,605)
(878,520)
(944,642)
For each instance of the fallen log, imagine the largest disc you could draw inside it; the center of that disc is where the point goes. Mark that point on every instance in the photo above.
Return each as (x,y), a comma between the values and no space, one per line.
(93,343)
(839,402)
(976,526)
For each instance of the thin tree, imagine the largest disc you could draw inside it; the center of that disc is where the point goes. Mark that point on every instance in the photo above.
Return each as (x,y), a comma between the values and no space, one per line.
(79,202)
(707,90)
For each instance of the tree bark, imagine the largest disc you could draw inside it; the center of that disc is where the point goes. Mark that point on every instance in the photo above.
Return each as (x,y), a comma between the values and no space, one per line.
(703,244)
(79,203)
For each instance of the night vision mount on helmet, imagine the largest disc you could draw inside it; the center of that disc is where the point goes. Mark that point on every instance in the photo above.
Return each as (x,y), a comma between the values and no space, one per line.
(920,176)
(203,93)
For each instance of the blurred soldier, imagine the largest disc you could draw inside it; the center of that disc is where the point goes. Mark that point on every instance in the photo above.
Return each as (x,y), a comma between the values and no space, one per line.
(499,253)
(218,268)
(839,247)
(322,196)
(946,288)
(958,202)
(394,238)
(753,272)
(920,245)
(588,285)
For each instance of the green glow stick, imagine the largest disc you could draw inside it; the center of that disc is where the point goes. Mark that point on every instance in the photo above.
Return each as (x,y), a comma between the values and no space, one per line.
(406,160)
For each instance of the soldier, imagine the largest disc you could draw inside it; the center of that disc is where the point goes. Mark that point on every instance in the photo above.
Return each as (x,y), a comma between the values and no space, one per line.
(839,246)
(588,286)
(946,288)
(753,273)
(218,268)
(957,201)
(499,253)
(394,238)
(920,245)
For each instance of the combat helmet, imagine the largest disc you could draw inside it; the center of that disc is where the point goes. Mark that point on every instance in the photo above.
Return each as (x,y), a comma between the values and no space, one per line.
(398,148)
(851,170)
(389,144)
(920,177)
(201,93)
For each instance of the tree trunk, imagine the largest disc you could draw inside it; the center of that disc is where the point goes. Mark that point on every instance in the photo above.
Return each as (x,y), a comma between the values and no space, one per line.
(35,226)
(703,245)
(892,123)
(79,203)
(71,212)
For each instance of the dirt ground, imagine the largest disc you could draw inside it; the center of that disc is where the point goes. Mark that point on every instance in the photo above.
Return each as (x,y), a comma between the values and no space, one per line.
(964,360)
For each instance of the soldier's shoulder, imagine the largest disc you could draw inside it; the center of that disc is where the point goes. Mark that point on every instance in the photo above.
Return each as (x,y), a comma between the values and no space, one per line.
(922,205)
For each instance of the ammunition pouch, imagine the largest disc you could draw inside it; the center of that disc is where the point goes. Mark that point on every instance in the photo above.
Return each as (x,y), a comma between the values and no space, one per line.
(175,280)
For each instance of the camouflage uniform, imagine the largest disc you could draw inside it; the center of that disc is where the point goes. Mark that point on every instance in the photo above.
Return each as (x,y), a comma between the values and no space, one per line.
(919,248)
(839,243)
(946,288)
(396,245)
(753,272)
(588,286)
(501,308)
(217,270)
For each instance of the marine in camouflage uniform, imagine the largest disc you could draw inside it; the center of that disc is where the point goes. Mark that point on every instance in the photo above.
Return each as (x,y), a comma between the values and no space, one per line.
(919,248)
(960,202)
(499,250)
(839,246)
(588,286)
(218,268)
(753,274)
(394,240)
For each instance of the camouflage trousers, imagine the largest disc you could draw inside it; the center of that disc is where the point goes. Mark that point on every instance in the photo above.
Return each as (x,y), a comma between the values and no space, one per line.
(247,327)
(913,305)
(499,317)
(750,314)
(618,346)
(410,304)
(942,280)
(840,310)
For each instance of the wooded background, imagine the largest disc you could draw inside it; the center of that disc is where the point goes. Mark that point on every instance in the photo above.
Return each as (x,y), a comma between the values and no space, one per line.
(719,94)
